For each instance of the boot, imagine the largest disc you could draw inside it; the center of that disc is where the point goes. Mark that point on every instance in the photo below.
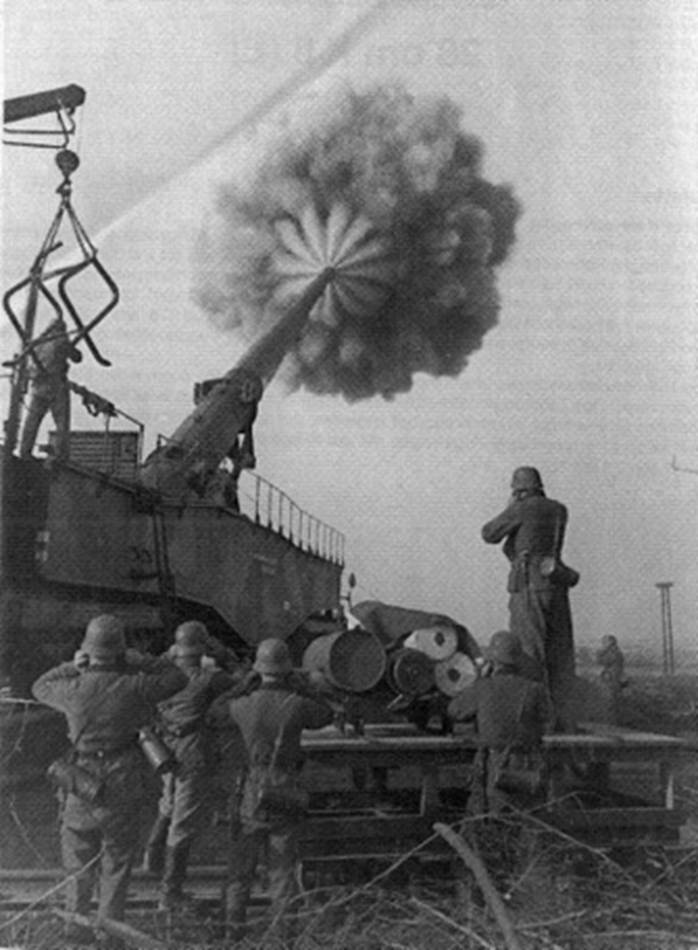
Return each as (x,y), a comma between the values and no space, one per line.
(171,895)
(154,857)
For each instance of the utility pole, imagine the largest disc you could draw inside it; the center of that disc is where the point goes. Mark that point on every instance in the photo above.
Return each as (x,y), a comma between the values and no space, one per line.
(667,630)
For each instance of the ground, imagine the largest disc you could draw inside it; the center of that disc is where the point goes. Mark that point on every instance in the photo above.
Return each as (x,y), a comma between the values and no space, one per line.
(557,892)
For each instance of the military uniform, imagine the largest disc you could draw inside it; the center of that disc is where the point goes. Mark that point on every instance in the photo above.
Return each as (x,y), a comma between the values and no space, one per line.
(105,707)
(48,376)
(185,792)
(270,722)
(610,658)
(511,712)
(533,528)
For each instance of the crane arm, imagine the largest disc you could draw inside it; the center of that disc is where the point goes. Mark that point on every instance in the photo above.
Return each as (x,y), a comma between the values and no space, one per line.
(63,98)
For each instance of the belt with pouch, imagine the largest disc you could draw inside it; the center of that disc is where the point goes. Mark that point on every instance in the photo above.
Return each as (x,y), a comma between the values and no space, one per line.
(102,754)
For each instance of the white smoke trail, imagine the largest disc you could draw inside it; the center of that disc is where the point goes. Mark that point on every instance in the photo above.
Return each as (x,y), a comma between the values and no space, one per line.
(335,50)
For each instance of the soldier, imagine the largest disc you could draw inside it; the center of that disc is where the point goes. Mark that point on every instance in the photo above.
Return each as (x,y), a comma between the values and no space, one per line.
(106,694)
(50,391)
(511,712)
(270,721)
(185,791)
(612,662)
(533,529)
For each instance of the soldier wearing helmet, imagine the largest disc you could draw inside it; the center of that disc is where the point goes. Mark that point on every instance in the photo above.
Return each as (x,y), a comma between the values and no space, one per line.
(532,528)
(49,388)
(181,723)
(269,722)
(612,676)
(106,694)
(511,712)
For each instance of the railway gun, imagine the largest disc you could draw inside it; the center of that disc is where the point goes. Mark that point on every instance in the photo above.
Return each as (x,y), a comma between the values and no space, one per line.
(173,537)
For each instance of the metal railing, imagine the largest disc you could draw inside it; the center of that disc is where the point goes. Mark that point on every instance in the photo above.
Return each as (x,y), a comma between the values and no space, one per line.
(102,449)
(267,505)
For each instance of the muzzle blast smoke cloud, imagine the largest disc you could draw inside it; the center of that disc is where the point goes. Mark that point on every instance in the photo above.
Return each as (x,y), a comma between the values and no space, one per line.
(388,192)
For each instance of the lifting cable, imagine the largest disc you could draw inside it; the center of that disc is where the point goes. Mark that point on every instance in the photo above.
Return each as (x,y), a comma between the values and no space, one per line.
(62,103)
(37,279)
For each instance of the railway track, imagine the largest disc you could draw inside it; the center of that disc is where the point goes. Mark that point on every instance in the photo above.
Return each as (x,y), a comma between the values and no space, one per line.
(33,899)
(22,888)
(349,834)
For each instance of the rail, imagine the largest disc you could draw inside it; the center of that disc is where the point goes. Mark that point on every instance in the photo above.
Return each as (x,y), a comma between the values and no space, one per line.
(96,405)
(266,504)
(114,453)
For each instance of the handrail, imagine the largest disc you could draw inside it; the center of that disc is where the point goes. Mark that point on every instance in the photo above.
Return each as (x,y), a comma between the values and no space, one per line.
(268,505)
(97,405)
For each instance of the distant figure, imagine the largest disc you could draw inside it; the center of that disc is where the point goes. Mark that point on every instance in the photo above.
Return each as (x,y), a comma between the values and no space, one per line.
(106,694)
(511,713)
(612,662)
(186,792)
(533,530)
(241,456)
(241,452)
(269,722)
(49,388)
(222,488)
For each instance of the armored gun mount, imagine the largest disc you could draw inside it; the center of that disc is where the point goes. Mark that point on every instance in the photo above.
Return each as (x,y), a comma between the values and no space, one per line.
(189,458)
(80,534)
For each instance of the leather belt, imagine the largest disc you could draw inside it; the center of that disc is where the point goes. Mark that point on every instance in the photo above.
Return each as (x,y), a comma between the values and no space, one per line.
(105,753)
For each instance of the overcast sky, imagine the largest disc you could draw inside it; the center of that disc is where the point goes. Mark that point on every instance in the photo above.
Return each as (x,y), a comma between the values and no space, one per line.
(587,108)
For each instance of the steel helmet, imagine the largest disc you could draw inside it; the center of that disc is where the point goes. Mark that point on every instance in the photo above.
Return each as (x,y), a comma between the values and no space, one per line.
(105,638)
(191,638)
(273,657)
(526,478)
(505,649)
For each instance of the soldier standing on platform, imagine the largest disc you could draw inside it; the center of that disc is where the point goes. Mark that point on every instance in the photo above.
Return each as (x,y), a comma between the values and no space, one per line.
(49,388)
(533,530)
(182,725)
(270,721)
(107,694)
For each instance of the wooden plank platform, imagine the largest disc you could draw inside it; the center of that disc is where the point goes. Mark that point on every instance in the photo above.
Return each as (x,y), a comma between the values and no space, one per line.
(403,736)
(585,798)
(602,736)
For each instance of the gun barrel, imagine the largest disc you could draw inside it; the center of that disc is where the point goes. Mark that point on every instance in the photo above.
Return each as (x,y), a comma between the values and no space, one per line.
(39,103)
(195,450)
(266,353)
